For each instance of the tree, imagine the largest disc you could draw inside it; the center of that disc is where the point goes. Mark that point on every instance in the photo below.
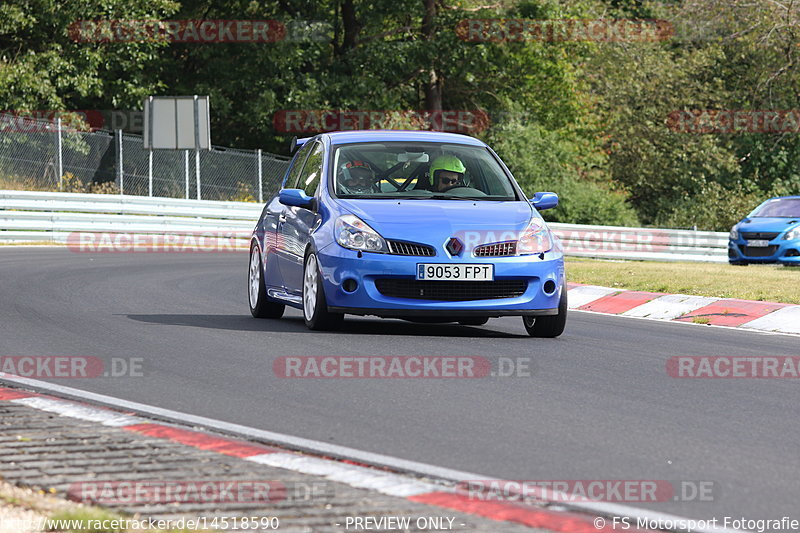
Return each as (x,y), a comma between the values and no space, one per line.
(44,67)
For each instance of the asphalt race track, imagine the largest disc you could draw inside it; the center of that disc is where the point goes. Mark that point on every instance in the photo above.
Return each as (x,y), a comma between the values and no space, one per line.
(599,404)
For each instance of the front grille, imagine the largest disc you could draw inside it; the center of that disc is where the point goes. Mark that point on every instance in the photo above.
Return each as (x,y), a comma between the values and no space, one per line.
(410,248)
(751,251)
(500,249)
(452,291)
(756,235)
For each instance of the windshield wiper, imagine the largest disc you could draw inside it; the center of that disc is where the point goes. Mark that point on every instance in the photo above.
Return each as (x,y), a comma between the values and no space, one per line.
(387,196)
(471,198)
(447,197)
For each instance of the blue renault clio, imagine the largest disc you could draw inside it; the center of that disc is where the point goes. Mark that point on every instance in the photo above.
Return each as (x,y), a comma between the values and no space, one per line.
(422,226)
(770,234)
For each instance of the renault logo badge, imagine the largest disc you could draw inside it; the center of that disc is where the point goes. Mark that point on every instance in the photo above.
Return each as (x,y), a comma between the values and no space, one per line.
(454,246)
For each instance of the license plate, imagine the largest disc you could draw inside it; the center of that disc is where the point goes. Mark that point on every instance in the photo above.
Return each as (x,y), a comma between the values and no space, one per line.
(758,244)
(447,272)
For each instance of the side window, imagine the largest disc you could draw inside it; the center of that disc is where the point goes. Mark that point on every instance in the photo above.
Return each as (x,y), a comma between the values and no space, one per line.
(297,166)
(312,171)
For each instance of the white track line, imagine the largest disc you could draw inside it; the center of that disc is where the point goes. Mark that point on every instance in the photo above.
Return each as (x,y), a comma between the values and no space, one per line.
(353,475)
(105,417)
(343,472)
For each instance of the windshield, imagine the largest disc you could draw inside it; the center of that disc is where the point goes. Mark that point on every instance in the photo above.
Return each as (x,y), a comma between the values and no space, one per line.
(779,208)
(396,170)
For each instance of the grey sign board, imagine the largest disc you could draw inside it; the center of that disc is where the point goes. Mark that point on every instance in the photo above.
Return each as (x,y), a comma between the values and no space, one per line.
(177,123)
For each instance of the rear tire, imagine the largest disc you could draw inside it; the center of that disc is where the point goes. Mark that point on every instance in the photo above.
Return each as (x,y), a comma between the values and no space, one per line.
(315,308)
(548,326)
(260,304)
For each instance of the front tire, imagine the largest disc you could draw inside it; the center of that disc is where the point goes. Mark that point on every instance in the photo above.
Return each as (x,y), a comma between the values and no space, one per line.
(260,305)
(548,326)
(315,308)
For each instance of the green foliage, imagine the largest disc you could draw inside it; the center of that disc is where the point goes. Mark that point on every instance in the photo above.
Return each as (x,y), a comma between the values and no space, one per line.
(42,68)
(557,161)
(639,88)
(585,119)
(713,208)
(726,54)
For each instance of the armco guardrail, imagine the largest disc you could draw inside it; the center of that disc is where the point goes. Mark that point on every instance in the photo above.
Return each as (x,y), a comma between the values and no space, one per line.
(52,217)
(643,244)
(57,217)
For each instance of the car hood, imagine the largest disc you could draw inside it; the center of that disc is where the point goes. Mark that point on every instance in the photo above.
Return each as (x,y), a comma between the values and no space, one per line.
(767,224)
(435,221)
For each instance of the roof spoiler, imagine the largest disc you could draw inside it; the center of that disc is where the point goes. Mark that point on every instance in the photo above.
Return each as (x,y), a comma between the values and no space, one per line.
(297,143)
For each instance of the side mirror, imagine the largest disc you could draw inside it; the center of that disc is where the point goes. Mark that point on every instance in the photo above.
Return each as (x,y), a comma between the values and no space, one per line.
(544,200)
(296,198)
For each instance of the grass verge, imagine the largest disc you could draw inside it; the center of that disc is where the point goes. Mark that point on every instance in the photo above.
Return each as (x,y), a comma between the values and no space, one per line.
(768,283)
(23,510)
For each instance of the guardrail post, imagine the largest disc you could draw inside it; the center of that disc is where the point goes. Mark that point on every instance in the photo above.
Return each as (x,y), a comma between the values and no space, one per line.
(150,172)
(197,171)
(260,177)
(186,170)
(120,172)
(197,144)
(60,155)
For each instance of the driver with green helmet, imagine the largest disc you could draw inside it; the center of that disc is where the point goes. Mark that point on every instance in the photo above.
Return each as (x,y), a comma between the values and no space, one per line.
(446,172)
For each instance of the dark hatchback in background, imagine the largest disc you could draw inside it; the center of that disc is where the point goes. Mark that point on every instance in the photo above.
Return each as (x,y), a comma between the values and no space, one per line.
(770,234)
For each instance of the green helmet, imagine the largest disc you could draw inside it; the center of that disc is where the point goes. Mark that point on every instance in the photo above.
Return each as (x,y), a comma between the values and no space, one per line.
(446,162)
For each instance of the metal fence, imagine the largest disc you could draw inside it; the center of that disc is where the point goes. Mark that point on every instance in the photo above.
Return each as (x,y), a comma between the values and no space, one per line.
(44,155)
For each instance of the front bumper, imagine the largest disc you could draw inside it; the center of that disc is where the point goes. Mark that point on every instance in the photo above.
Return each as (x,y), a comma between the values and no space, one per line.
(779,251)
(339,265)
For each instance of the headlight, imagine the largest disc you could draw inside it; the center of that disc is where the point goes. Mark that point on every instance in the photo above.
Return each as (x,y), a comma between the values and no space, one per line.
(535,239)
(792,234)
(354,233)
(734,235)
